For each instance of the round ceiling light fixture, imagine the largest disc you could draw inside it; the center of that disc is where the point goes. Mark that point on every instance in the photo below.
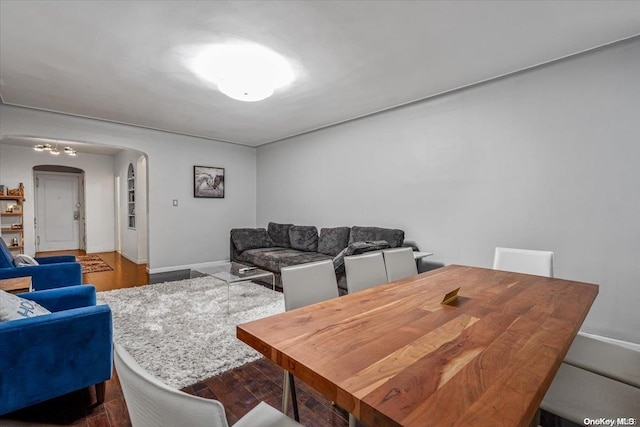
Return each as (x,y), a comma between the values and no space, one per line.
(245,72)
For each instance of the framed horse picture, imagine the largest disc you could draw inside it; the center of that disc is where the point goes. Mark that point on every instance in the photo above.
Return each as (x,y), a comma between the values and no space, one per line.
(208,182)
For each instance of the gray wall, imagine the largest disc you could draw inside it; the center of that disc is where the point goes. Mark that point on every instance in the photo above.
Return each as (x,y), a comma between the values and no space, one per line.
(546,159)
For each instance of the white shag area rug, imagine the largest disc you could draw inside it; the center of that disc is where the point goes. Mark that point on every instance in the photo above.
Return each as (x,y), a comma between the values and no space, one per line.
(180,331)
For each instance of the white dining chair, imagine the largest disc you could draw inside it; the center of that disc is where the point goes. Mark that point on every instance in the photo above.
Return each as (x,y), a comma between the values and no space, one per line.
(596,378)
(527,261)
(152,403)
(578,394)
(399,263)
(302,285)
(604,358)
(307,284)
(364,271)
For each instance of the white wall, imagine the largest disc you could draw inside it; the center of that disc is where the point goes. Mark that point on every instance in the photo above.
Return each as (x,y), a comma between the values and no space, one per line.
(547,159)
(196,231)
(16,165)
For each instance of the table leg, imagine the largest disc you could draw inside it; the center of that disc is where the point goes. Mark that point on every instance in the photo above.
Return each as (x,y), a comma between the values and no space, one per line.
(294,400)
(536,419)
(286,391)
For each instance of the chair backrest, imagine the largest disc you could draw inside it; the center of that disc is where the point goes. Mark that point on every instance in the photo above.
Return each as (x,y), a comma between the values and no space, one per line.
(364,271)
(399,263)
(306,284)
(525,261)
(152,403)
(604,358)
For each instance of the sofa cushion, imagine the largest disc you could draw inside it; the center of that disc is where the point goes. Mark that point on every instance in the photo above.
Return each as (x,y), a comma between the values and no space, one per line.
(333,240)
(273,259)
(266,258)
(304,237)
(250,238)
(357,248)
(12,307)
(279,234)
(394,237)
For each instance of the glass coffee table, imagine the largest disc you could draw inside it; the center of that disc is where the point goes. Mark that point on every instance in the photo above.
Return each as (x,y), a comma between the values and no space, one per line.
(234,272)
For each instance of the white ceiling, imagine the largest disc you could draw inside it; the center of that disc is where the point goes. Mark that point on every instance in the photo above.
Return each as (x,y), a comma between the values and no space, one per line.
(125,61)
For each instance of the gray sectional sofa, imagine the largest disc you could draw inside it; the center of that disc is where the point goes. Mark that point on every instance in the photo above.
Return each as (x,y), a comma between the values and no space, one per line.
(283,245)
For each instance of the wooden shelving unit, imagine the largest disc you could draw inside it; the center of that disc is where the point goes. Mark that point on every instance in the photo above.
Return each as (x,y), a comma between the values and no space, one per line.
(12,220)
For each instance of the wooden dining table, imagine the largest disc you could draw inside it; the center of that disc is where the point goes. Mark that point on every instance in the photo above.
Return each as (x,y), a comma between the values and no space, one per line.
(393,355)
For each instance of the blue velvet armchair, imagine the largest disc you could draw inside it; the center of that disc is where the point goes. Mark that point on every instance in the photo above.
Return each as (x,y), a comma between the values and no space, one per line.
(54,354)
(53,271)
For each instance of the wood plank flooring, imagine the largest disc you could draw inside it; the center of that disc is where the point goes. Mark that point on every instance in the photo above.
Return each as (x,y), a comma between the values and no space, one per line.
(239,389)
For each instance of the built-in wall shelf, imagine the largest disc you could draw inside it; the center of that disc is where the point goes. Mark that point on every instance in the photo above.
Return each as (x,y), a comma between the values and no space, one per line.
(131,198)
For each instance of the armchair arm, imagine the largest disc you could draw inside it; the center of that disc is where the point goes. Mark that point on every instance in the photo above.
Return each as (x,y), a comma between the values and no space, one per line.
(47,276)
(58,353)
(233,252)
(66,298)
(55,259)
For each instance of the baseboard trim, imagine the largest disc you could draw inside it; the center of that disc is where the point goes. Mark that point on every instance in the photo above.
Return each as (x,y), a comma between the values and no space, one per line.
(130,258)
(187,266)
(133,260)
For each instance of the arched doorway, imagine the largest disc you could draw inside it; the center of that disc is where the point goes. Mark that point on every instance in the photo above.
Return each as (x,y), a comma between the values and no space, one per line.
(59,208)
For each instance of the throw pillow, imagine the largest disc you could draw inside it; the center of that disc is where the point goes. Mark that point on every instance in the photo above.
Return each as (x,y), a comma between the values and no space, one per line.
(250,238)
(12,307)
(22,260)
(357,248)
(333,240)
(394,237)
(304,238)
(279,234)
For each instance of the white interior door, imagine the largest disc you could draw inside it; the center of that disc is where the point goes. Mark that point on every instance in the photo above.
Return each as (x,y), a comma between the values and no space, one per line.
(58,212)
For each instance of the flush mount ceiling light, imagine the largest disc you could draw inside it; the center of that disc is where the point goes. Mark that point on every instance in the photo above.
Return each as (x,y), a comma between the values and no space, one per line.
(54,150)
(245,72)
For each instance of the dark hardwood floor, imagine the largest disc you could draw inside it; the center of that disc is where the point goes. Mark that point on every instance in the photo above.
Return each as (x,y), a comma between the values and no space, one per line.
(239,389)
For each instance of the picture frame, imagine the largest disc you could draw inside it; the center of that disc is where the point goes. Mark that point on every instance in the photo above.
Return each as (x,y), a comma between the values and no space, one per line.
(208,182)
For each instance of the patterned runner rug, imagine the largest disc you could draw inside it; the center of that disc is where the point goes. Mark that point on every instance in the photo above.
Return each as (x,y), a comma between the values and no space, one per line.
(92,263)
(180,331)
